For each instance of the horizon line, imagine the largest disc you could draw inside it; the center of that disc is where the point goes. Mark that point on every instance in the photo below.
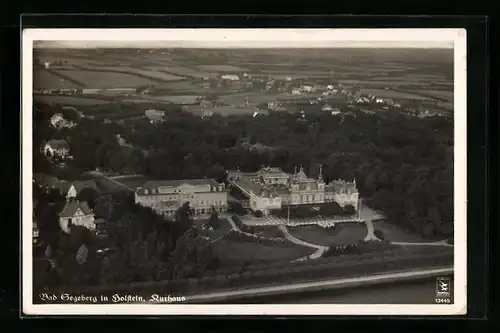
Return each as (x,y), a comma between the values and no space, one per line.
(243,38)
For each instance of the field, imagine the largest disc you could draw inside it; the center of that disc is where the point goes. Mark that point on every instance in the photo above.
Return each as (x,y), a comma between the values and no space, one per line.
(180,99)
(155,74)
(235,253)
(447,95)
(184,71)
(221,68)
(342,233)
(69,100)
(43,79)
(394,94)
(105,79)
(394,233)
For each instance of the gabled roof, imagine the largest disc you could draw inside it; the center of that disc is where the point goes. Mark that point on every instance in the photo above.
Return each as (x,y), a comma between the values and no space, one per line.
(81,184)
(72,207)
(155,184)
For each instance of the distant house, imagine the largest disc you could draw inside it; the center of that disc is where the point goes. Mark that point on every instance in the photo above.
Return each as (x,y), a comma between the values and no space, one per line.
(155,116)
(56,119)
(230,77)
(335,111)
(206,113)
(76,213)
(307,88)
(295,92)
(327,108)
(58,148)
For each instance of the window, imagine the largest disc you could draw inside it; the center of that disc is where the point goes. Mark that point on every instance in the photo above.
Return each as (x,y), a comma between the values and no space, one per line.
(313,197)
(301,198)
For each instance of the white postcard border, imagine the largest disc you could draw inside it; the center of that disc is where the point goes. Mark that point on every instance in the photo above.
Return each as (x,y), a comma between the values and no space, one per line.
(254,38)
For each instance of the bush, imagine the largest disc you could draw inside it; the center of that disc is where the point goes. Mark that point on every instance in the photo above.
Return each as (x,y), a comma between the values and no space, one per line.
(258,213)
(379,234)
(349,210)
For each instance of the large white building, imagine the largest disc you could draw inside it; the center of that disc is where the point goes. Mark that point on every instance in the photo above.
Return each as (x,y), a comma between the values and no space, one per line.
(271,188)
(166,196)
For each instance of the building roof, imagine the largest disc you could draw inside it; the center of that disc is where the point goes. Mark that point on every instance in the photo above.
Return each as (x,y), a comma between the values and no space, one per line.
(155,184)
(56,115)
(341,186)
(72,207)
(272,172)
(81,184)
(58,144)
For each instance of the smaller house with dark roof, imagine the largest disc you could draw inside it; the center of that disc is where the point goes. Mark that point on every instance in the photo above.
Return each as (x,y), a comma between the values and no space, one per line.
(76,213)
(58,148)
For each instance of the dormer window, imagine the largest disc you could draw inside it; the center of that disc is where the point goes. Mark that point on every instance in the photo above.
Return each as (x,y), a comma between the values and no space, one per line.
(153,191)
(145,191)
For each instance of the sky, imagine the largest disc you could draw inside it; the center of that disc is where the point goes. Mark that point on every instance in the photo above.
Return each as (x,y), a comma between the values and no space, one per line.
(242,38)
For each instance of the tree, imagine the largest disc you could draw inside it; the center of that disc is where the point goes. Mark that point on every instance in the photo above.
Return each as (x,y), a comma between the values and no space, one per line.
(214,219)
(330,209)
(183,218)
(349,210)
(88,195)
(81,255)
(191,257)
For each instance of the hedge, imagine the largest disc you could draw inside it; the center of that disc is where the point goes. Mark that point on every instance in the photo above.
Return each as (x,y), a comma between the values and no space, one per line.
(330,267)
(252,238)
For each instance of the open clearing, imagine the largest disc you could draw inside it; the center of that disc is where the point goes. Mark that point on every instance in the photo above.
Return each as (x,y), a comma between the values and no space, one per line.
(134,181)
(69,100)
(236,253)
(342,233)
(43,79)
(221,68)
(394,233)
(105,79)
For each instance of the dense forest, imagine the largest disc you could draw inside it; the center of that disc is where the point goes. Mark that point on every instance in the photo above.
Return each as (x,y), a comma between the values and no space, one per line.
(402,165)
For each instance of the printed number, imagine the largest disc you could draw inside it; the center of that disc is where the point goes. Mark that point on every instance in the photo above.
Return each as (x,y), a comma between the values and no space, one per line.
(443,300)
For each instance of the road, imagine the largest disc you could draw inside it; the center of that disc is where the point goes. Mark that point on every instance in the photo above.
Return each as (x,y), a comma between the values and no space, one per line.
(319,286)
(406,292)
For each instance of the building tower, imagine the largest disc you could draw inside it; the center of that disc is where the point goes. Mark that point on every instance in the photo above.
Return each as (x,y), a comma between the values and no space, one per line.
(238,173)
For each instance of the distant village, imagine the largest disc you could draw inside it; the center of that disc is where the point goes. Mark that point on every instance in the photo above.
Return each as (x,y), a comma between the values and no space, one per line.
(320,97)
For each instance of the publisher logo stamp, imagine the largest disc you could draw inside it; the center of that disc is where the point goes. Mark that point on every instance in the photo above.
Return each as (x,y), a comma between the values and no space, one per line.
(443,290)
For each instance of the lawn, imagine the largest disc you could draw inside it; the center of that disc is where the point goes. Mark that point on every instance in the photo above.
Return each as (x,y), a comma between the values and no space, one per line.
(232,253)
(97,79)
(69,100)
(221,231)
(395,233)
(268,231)
(43,79)
(342,233)
(132,181)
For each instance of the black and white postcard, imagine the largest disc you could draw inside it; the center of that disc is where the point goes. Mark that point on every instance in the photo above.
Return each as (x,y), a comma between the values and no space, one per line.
(244,171)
